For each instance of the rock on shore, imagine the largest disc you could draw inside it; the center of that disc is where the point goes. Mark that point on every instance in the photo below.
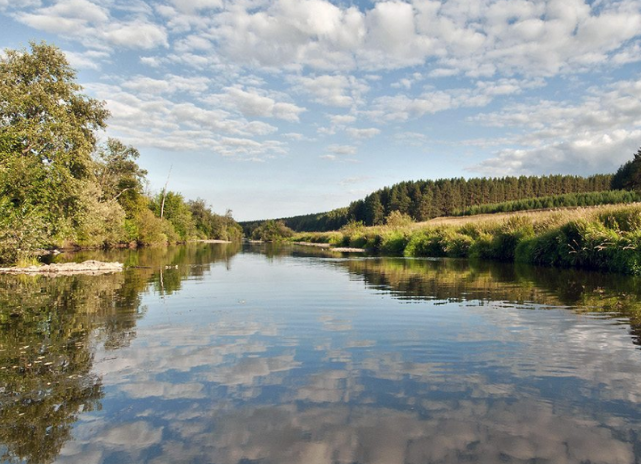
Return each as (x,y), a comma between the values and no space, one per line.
(90,267)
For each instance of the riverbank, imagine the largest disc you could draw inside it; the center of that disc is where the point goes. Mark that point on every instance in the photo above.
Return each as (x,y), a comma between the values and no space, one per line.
(604,238)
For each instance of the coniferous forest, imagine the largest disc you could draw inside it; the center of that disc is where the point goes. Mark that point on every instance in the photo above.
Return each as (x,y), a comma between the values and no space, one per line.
(427,199)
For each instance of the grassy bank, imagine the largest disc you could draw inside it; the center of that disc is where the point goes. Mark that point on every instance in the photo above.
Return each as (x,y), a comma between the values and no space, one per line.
(605,238)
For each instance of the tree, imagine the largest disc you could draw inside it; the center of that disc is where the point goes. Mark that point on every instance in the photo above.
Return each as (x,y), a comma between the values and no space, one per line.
(118,174)
(177,212)
(46,139)
(628,176)
(374,210)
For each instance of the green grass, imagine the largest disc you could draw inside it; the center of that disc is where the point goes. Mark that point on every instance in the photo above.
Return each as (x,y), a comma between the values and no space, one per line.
(607,239)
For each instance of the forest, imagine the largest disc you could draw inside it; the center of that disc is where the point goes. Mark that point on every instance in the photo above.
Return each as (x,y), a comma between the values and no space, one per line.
(60,187)
(426,199)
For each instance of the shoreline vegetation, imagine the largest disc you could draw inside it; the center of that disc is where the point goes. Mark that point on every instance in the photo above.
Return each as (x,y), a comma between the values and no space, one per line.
(606,238)
(61,188)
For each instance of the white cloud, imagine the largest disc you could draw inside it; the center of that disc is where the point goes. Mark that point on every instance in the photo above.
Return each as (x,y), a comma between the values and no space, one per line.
(170,84)
(4,4)
(255,103)
(402,107)
(149,119)
(354,180)
(595,135)
(584,154)
(136,34)
(297,137)
(93,25)
(342,149)
(192,6)
(363,133)
(342,119)
(480,39)
(91,59)
(341,91)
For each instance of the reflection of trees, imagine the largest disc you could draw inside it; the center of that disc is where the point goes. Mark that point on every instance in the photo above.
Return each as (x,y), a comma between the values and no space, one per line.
(165,267)
(47,328)
(459,280)
(46,359)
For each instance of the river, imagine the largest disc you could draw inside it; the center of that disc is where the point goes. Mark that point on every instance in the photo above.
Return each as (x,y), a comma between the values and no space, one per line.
(230,354)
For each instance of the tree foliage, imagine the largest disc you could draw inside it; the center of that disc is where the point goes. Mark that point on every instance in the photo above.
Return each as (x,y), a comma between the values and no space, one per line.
(628,176)
(426,199)
(119,175)
(210,224)
(46,136)
(272,231)
(57,187)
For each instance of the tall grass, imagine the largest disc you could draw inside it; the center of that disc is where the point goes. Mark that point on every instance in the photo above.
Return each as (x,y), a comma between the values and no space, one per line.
(607,238)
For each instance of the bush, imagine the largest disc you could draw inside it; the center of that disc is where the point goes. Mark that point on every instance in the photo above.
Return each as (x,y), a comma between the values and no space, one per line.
(22,231)
(272,231)
(393,243)
(398,219)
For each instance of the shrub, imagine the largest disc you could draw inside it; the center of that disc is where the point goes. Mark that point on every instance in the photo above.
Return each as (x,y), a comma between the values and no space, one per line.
(398,219)
(393,243)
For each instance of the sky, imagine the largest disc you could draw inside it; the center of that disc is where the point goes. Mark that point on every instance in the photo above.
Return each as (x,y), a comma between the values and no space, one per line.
(286,107)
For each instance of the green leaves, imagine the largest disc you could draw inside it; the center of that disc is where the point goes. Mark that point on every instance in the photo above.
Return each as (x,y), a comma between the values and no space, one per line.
(46,140)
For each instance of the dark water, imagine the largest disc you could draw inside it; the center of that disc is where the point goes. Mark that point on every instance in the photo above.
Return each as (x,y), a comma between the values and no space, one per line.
(217,354)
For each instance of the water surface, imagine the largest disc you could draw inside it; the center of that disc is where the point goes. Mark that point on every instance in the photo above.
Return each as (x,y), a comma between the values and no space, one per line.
(217,354)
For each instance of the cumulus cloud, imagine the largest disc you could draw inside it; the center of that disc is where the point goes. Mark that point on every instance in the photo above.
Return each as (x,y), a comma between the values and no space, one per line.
(479,39)
(595,135)
(401,107)
(151,118)
(90,59)
(168,85)
(332,90)
(363,133)
(136,34)
(342,149)
(94,26)
(256,103)
(192,6)
(387,61)
(476,38)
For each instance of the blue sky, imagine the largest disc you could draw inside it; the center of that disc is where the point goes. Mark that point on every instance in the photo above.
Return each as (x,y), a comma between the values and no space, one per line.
(277,108)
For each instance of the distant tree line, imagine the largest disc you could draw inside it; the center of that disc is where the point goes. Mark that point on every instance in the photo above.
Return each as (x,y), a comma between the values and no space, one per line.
(608,197)
(426,199)
(59,187)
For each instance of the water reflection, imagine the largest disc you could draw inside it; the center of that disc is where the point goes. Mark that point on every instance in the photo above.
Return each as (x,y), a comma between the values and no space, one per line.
(49,329)
(279,355)
(460,280)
